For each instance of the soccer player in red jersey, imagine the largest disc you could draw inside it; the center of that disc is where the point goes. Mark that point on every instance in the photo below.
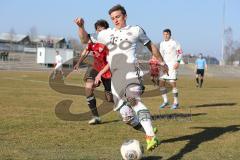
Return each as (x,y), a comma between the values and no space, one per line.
(154,69)
(100,52)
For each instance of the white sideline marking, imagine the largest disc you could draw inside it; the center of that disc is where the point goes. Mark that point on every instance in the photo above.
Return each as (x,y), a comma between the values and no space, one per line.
(30,80)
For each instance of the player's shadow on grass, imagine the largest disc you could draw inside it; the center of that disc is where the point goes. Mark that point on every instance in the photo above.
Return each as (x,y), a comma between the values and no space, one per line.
(194,140)
(215,105)
(175,116)
(62,111)
(152,158)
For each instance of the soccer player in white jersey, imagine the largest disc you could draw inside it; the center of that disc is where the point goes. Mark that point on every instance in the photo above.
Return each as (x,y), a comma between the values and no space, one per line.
(172,54)
(58,65)
(122,42)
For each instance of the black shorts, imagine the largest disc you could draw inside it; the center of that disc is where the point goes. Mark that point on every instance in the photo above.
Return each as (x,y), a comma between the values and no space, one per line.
(200,71)
(91,73)
(106,84)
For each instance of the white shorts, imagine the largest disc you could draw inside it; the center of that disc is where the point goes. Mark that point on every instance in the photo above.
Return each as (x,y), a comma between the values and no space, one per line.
(172,74)
(58,67)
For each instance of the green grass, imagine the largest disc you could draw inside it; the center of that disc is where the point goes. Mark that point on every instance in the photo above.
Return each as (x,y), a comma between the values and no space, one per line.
(29,128)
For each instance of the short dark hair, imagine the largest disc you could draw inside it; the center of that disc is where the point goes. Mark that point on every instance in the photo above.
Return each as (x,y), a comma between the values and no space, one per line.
(116,8)
(168,31)
(101,23)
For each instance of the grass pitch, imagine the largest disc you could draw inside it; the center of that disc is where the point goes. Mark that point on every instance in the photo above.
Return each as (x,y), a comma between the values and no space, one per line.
(30,129)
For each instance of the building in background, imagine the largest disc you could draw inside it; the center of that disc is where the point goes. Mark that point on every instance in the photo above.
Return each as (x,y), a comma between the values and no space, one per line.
(42,49)
(190,59)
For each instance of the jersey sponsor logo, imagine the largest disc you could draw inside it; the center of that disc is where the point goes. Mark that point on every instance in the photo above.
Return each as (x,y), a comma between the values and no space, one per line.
(124,45)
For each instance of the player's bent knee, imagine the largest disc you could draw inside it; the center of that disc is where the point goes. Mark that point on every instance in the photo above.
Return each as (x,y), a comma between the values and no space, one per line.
(133,93)
(128,116)
(175,92)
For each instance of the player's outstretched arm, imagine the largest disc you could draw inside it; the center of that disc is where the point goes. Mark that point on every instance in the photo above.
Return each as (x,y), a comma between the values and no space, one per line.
(83,35)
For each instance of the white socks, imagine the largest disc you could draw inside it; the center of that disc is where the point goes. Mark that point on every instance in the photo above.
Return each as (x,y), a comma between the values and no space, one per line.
(144,118)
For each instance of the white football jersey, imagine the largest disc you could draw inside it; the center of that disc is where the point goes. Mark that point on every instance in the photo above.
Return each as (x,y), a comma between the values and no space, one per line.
(122,45)
(58,59)
(171,51)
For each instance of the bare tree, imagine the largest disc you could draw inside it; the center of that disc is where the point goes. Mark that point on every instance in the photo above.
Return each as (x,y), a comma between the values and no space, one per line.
(228,47)
(235,56)
(75,44)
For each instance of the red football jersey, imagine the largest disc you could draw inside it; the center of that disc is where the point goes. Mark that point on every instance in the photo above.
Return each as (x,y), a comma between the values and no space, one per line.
(154,67)
(100,52)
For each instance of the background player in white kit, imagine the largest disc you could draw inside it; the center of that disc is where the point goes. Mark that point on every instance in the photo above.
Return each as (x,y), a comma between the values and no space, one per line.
(172,54)
(122,42)
(58,65)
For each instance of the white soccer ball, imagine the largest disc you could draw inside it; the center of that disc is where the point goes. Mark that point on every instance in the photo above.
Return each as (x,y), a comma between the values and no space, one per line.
(132,150)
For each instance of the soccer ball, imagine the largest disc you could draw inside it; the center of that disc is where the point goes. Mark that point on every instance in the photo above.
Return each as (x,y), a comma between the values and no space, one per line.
(131,150)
